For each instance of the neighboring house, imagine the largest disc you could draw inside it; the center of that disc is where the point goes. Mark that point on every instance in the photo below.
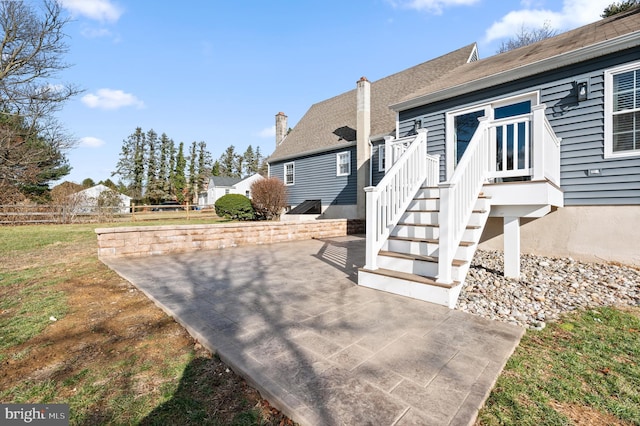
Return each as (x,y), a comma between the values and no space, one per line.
(90,200)
(536,149)
(222,185)
(320,158)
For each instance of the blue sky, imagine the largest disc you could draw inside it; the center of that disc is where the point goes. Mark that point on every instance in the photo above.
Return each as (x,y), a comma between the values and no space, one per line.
(219,71)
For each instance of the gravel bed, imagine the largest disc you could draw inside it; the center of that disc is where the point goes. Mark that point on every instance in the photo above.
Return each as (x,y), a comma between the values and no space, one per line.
(547,288)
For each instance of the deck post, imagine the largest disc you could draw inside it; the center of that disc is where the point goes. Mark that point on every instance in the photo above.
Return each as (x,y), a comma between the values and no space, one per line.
(512,247)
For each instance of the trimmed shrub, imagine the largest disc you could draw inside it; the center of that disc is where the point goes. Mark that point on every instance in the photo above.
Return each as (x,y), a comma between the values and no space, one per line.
(234,206)
(269,197)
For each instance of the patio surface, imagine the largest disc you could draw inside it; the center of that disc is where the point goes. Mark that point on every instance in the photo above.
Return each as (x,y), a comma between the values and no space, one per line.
(291,320)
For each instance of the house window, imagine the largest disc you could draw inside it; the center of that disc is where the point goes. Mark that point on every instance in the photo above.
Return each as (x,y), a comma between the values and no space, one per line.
(622,111)
(247,194)
(381,158)
(226,191)
(343,163)
(289,173)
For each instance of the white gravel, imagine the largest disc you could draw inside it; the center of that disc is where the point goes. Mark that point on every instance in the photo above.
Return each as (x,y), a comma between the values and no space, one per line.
(547,288)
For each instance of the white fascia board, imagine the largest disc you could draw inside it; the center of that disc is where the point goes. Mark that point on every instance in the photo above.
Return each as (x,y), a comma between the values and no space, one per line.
(606,47)
(311,152)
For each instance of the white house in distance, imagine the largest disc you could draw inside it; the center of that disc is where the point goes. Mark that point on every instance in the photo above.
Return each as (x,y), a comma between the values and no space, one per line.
(222,185)
(88,200)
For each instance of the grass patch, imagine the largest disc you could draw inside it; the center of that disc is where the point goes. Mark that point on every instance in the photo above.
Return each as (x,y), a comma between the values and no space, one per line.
(112,355)
(28,306)
(580,370)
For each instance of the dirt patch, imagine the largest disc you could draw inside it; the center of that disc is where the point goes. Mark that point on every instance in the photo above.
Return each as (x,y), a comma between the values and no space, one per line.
(116,345)
(586,416)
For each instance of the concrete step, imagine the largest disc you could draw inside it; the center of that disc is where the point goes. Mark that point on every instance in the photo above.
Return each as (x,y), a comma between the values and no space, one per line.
(419,265)
(410,285)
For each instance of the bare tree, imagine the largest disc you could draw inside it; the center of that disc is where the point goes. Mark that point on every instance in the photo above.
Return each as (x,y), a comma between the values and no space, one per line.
(527,36)
(32,141)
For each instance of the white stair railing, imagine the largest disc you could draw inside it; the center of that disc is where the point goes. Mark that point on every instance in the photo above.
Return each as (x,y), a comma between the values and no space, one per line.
(387,201)
(458,197)
(546,148)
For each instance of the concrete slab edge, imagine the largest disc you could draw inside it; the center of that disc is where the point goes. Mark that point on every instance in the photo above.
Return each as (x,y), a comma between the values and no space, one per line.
(268,389)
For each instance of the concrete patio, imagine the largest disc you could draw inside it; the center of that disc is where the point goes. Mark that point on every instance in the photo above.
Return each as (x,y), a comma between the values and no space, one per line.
(290,318)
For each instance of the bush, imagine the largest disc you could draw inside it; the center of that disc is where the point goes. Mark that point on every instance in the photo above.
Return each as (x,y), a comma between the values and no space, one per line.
(234,206)
(269,197)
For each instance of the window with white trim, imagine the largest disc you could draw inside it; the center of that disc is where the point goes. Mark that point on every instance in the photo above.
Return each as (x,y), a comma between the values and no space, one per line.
(289,173)
(622,111)
(343,163)
(382,155)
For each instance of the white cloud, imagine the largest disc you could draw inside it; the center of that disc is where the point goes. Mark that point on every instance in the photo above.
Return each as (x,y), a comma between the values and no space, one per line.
(91,142)
(431,6)
(99,10)
(111,99)
(268,132)
(90,32)
(574,13)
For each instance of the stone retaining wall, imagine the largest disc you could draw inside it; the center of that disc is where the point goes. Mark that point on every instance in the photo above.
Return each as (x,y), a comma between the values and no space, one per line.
(155,240)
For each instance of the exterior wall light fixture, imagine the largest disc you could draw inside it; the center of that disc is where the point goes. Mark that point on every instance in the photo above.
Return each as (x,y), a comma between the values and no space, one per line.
(581,87)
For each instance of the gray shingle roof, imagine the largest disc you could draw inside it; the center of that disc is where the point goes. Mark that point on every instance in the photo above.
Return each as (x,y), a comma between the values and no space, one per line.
(331,124)
(562,50)
(224,181)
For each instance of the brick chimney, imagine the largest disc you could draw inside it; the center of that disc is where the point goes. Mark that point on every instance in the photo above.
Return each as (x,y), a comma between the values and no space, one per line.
(281,127)
(363,132)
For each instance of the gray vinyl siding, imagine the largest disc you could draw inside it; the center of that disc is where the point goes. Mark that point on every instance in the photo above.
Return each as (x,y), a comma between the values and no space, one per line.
(315,179)
(580,125)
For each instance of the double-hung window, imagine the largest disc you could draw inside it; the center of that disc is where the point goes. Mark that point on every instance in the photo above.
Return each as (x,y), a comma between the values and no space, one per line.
(622,111)
(289,173)
(343,163)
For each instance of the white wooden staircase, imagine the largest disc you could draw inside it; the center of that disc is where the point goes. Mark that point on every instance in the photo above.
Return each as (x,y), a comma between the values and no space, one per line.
(422,233)
(407,263)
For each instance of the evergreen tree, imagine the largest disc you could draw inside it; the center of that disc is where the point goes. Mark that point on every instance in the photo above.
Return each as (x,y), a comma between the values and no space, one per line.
(88,183)
(215,169)
(263,167)
(109,184)
(204,165)
(228,164)
(619,7)
(179,177)
(131,164)
(250,162)
(164,166)
(154,192)
(193,176)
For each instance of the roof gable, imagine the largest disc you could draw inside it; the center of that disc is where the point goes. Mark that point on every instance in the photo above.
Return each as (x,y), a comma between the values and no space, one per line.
(602,37)
(331,124)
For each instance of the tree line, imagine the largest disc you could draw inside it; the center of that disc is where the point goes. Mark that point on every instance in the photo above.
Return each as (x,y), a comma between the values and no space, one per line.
(152,169)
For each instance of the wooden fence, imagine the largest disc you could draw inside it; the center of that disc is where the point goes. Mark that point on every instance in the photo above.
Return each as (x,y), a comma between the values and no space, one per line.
(60,214)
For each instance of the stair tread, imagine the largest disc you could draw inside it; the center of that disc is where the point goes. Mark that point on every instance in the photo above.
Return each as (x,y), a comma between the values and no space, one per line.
(410,277)
(429,240)
(433,225)
(434,259)
(438,211)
